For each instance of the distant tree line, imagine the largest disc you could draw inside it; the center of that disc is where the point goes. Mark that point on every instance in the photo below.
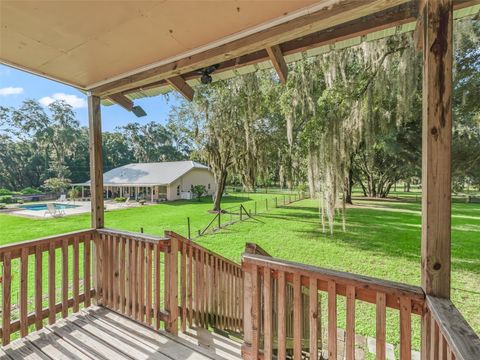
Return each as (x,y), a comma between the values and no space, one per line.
(37,144)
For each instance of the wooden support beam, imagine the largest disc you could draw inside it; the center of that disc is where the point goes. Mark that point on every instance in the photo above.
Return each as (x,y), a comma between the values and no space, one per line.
(276,57)
(328,16)
(179,84)
(436,147)
(437,44)
(122,100)
(96,162)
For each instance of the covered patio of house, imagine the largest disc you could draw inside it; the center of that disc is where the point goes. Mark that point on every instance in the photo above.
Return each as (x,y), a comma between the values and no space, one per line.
(120,52)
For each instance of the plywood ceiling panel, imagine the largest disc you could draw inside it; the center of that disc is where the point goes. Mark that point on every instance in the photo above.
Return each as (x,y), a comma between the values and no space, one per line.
(85,42)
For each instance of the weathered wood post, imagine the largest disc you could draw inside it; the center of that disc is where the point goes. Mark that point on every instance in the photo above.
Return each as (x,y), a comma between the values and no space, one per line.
(172,326)
(436,25)
(251,313)
(96,190)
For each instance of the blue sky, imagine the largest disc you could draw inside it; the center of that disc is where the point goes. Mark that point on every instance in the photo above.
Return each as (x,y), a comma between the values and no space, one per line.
(16,86)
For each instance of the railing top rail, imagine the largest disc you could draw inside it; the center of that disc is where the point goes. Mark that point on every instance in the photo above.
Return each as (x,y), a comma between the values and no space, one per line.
(30,243)
(462,339)
(252,248)
(197,246)
(340,277)
(133,235)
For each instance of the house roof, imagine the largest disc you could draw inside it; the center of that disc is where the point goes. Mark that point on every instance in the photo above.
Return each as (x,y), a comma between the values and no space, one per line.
(147,174)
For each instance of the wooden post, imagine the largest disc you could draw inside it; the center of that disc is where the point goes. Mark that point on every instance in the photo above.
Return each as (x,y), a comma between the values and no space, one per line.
(251,313)
(96,161)
(96,191)
(188,225)
(436,147)
(173,288)
(437,18)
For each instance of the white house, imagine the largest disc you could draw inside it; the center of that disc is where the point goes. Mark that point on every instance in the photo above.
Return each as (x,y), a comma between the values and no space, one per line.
(156,181)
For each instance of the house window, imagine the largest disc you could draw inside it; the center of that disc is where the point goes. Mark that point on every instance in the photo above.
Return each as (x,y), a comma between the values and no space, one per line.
(178,190)
(208,186)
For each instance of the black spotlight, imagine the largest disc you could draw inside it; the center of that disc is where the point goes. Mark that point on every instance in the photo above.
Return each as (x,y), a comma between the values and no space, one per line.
(206,79)
(205,72)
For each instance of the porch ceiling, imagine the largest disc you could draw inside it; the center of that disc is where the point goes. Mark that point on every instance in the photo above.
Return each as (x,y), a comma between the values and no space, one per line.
(133,47)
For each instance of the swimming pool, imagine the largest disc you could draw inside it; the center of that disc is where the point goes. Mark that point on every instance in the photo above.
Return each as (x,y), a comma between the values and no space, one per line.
(43,207)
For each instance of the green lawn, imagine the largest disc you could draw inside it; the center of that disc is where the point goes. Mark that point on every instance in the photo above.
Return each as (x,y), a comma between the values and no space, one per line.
(154,219)
(382,240)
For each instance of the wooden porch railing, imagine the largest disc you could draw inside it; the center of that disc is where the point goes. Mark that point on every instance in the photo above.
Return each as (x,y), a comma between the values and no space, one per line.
(173,281)
(30,272)
(452,337)
(130,268)
(211,288)
(263,274)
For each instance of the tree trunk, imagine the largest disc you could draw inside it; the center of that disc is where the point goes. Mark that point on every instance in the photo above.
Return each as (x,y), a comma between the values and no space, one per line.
(348,187)
(222,178)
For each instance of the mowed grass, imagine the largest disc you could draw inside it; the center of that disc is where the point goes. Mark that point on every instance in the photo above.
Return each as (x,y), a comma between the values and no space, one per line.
(154,219)
(382,240)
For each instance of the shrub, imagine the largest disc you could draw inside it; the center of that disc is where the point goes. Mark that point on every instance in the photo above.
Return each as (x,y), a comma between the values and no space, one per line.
(3,206)
(198,191)
(7,199)
(56,184)
(30,191)
(120,199)
(74,193)
(4,191)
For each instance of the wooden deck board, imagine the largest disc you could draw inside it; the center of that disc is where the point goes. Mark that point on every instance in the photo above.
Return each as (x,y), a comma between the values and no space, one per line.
(98,333)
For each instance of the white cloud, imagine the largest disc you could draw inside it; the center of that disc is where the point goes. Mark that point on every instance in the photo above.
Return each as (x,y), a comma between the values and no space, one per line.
(73,100)
(10,91)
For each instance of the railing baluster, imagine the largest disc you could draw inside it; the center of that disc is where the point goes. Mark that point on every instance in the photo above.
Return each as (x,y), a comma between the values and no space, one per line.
(148,302)
(51,283)
(297,317)
(281,311)
(64,278)
(141,290)
(435,336)
(267,314)
(332,320)
(86,269)
(128,274)
(255,311)
(104,267)
(313,316)
(405,328)
(76,275)
(115,262)
(24,292)
(381,325)
(122,279)
(38,287)
(156,286)
(350,340)
(183,286)
(190,284)
(6,297)
(134,280)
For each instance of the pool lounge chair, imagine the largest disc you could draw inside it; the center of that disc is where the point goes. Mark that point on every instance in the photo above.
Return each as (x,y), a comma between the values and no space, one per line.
(62,198)
(53,211)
